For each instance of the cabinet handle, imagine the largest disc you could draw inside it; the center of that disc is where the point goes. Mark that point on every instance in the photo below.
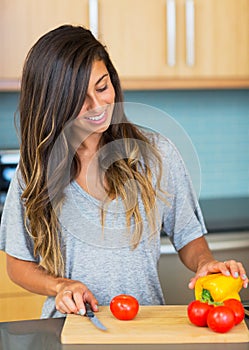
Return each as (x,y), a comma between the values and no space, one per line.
(190,33)
(171,32)
(93,17)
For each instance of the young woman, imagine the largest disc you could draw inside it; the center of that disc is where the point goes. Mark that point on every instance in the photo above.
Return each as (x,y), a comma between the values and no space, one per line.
(92,192)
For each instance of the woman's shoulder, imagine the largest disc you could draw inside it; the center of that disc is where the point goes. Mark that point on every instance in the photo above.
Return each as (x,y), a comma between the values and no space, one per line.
(17,182)
(162,143)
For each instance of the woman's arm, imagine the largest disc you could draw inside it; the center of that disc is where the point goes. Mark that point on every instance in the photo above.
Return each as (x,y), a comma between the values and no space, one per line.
(70,295)
(197,256)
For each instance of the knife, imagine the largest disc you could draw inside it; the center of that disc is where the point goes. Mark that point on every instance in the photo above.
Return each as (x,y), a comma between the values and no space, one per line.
(246,306)
(246,313)
(91,316)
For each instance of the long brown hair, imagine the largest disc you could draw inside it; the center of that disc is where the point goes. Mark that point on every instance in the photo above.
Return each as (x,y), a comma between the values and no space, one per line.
(54,85)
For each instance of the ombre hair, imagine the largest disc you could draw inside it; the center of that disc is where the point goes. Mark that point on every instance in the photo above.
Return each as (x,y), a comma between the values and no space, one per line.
(54,84)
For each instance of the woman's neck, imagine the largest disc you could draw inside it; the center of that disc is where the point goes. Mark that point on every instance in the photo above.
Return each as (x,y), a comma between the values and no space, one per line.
(90,146)
(90,178)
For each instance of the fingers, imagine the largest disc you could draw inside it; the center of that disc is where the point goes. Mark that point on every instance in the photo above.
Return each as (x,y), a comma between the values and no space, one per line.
(231,267)
(227,268)
(236,269)
(86,297)
(72,298)
(65,303)
(79,303)
(192,282)
(89,298)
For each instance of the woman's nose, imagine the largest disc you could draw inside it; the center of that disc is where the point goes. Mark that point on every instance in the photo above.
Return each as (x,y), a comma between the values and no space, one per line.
(92,103)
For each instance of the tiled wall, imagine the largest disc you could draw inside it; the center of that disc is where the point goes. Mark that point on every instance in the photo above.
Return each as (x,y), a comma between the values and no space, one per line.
(218,125)
(8,107)
(217,122)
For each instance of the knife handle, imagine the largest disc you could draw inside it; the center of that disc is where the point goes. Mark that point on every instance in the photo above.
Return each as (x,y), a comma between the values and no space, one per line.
(89,312)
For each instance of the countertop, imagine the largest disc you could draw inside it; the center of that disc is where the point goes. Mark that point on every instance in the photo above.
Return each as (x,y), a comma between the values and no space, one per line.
(226,214)
(45,335)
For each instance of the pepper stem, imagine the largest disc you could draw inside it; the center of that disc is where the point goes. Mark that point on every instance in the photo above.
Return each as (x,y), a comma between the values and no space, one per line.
(206,297)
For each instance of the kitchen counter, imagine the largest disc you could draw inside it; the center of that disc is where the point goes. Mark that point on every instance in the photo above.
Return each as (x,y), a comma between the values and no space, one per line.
(225,246)
(45,335)
(226,214)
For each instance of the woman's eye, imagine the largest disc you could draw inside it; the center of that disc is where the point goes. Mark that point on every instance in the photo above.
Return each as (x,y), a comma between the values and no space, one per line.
(102,88)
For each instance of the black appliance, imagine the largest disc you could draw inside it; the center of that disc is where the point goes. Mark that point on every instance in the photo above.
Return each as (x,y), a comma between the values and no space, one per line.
(8,162)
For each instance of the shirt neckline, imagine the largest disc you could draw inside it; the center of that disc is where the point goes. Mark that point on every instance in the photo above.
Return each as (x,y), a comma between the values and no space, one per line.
(89,196)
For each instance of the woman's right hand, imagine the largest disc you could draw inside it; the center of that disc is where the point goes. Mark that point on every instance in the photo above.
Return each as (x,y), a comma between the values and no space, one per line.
(72,296)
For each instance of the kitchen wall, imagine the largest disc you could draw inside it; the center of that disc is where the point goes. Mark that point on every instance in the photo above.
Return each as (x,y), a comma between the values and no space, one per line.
(8,107)
(217,122)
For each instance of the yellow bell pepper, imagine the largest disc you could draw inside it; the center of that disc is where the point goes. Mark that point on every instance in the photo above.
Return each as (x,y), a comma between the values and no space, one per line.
(216,288)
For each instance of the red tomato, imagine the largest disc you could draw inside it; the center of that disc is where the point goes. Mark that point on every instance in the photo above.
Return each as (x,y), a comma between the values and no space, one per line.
(237,308)
(124,307)
(220,319)
(198,312)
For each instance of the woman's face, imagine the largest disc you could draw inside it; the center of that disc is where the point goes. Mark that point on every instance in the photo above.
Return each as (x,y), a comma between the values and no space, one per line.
(96,112)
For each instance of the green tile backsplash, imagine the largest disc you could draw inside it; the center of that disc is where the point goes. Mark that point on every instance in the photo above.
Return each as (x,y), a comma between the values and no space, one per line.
(217,121)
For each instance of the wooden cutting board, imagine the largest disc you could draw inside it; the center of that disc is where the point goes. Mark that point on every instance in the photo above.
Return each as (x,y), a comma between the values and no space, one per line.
(153,324)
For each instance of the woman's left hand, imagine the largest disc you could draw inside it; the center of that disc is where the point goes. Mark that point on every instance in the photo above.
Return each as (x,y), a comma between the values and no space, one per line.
(227,268)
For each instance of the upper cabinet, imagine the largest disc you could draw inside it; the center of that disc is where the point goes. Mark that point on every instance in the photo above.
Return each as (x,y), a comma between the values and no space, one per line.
(153,43)
(22,22)
(182,39)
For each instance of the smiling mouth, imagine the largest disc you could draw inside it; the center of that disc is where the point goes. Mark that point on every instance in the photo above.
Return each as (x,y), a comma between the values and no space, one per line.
(97,117)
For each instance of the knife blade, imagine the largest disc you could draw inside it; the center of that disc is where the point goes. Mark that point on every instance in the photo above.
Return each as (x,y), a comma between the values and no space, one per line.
(94,319)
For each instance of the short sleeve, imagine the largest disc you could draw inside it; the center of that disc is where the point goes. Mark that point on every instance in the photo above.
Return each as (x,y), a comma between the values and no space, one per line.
(182,218)
(14,238)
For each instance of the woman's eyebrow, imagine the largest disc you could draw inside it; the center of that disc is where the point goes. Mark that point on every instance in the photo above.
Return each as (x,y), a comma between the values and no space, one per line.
(103,76)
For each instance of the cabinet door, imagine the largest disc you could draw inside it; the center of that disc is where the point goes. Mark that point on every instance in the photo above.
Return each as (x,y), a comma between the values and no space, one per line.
(24,21)
(15,302)
(135,33)
(21,307)
(221,39)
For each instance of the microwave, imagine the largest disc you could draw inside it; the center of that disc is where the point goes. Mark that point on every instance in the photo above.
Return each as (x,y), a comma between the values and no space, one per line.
(9,160)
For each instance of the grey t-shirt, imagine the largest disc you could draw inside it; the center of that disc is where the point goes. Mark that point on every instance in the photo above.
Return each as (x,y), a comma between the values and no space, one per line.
(103,259)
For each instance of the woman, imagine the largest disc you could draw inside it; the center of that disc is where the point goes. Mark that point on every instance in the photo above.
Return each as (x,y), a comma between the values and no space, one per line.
(92,192)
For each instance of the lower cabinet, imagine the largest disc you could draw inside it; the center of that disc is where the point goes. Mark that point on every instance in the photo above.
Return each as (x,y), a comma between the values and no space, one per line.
(15,302)
(20,307)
